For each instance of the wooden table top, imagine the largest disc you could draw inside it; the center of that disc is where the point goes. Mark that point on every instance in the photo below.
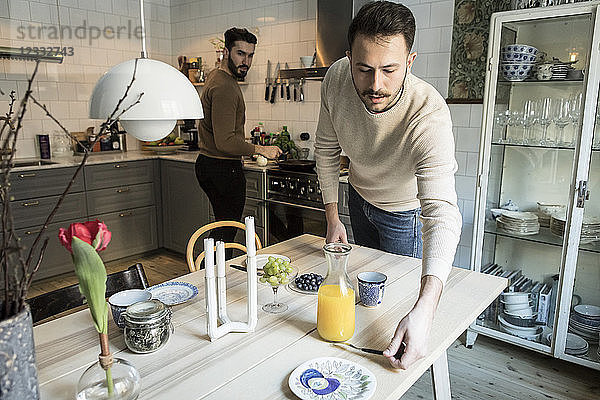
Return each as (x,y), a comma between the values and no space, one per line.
(257,365)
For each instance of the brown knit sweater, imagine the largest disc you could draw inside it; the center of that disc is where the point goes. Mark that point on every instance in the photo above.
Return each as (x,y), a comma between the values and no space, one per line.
(221,132)
(400,159)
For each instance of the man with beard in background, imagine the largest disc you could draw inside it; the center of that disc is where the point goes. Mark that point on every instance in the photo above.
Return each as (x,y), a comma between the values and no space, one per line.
(221,133)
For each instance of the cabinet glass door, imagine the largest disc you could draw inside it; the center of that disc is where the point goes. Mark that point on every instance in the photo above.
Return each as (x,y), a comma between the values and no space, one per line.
(583,323)
(534,110)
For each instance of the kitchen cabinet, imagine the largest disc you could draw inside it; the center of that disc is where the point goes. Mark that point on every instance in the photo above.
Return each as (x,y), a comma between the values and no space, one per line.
(43,182)
(540,153)
(185,205)
(122,195)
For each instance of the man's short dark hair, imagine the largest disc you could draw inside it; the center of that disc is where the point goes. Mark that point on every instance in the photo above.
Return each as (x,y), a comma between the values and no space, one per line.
(233,35)
(382,19)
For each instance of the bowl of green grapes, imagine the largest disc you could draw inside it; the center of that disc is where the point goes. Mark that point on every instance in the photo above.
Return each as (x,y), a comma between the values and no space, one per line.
(277,272)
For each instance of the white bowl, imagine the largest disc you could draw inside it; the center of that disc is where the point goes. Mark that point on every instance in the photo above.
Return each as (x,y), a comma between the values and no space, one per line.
(588,311)
(515,297)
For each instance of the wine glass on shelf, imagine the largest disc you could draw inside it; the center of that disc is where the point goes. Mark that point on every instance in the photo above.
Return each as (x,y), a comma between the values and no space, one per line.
(544,119)
(277,272)
(561,117)
(530,118)
(501,118)
(514,120)
(575,113)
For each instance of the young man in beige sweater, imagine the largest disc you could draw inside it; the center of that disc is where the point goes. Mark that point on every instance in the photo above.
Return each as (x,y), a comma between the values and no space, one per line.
(397,132)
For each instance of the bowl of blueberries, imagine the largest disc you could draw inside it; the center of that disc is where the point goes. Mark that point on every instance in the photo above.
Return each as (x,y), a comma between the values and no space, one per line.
(307,283)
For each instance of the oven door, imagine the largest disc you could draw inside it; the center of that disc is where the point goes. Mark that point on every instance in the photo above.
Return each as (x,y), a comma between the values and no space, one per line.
(286,220)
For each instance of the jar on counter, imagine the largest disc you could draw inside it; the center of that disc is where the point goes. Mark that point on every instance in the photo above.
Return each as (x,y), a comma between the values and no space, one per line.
(148,326)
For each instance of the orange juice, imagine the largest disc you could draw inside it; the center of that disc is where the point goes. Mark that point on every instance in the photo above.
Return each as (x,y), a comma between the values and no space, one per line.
(335,313)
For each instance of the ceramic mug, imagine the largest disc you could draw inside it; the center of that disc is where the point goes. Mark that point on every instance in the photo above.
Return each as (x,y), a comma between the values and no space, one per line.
(123,299)
(371,286)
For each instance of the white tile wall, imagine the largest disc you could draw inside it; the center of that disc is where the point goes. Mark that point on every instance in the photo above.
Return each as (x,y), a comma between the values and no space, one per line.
(65,88)
(285,30)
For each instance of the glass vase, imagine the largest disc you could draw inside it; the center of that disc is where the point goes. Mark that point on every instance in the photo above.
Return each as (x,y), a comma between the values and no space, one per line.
(93,383)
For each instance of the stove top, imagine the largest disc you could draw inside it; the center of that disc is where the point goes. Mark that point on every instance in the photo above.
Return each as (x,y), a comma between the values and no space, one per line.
(297,187)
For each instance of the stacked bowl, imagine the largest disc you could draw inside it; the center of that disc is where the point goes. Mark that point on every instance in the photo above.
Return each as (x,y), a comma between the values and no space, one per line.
(559,71)
(517,61)
(518,317)
(585,322)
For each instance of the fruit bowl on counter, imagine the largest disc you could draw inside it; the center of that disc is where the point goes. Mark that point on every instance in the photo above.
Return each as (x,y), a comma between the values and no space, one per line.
(168,145)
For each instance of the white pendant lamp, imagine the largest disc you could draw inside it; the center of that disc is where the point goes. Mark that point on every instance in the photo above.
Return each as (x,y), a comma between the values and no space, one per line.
(168,95)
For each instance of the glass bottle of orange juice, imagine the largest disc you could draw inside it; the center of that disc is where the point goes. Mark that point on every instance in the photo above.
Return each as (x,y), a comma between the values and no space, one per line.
(336,304)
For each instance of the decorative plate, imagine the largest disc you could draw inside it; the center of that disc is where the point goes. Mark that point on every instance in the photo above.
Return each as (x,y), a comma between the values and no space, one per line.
(332,378)
(172,293)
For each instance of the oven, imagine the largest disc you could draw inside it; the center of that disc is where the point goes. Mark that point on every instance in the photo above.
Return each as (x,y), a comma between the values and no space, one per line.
(294,206)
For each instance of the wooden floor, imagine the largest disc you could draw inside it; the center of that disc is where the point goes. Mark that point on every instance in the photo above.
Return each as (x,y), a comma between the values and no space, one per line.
(490,370)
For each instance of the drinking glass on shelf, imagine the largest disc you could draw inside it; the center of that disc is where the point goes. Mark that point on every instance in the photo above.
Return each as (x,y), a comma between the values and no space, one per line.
(561,117)
(515,120)
(501,119)
(544,119)
(575,113)
(530,118)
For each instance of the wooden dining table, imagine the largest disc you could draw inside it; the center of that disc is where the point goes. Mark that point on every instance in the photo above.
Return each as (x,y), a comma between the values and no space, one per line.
(257,365)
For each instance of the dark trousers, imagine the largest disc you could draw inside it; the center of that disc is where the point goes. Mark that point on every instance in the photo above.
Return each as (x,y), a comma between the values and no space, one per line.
(396,232)
(224,183)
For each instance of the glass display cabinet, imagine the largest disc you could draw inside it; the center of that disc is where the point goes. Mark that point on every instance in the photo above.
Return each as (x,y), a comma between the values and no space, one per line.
(537,214)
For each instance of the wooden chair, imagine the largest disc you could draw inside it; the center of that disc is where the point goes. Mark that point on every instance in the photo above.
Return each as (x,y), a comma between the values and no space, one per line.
(67,298)
(194,265)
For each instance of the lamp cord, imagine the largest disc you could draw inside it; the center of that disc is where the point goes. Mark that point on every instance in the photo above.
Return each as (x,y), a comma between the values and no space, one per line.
(144,53)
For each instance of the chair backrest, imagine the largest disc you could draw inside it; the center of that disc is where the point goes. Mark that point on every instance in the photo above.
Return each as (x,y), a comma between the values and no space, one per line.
(194,264)
(63,299)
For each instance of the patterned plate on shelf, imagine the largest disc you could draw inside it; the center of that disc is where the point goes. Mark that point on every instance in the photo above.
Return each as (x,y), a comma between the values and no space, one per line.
(332,378)
(172,293)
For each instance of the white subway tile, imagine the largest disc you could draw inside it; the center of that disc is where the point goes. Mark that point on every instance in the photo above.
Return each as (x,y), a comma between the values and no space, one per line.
(308,30)
(40,13)
(465,187)
(422,15)
(476,115)
(88,5)
(461,114)
(466,235)
(446,38)
(292,32)
(48,91)
(300,10)
(468,139)
(19,10)
(419,67)
(285,12)
(429,40)
(472,164)
(468,211)
(438,65)
(442,13)
(292,111)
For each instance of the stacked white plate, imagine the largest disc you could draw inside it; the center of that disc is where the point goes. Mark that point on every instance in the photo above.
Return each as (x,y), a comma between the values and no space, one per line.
(590,228)
(519,223)
(575,346)
(585,322)
(533,333)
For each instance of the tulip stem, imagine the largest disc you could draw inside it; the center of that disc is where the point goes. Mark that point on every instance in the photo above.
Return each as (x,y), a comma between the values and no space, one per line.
(105,353)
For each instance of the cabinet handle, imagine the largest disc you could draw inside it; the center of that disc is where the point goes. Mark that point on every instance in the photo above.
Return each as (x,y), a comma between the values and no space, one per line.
(120,165)
(122,190)
(30,204)
(33,232)
(126,214)
(31,175)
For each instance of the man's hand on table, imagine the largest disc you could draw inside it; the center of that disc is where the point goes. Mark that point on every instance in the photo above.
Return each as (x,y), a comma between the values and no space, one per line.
(415,327)
(336,231)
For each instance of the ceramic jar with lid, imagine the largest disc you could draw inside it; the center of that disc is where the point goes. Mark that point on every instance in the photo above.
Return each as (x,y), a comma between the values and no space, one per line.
(148,326)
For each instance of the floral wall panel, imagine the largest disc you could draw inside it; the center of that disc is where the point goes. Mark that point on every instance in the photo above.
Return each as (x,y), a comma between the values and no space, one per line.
(470,32)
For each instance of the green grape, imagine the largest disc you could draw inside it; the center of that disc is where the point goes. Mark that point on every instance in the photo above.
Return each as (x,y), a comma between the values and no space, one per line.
(262,279)
(273,279)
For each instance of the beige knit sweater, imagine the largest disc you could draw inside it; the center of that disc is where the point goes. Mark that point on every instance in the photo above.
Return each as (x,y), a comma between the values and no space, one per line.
(400,159)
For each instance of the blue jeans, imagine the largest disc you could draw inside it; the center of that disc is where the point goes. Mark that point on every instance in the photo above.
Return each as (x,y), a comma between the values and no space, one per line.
(394,232)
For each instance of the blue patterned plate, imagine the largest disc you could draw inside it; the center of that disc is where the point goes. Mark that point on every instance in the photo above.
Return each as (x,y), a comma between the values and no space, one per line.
(172,293)
(332,378)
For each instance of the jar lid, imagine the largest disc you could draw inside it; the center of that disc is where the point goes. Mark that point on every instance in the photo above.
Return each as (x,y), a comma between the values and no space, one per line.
(146,311)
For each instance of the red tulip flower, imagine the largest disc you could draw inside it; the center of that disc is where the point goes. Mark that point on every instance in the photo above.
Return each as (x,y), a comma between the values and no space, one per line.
(95,233)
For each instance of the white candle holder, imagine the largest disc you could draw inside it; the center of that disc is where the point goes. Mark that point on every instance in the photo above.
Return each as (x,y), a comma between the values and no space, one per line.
(216,299)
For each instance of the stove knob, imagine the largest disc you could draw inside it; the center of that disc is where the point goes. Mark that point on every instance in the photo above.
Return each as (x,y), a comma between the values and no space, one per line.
(311,189)
(303,190)
(283,185)
(318,191)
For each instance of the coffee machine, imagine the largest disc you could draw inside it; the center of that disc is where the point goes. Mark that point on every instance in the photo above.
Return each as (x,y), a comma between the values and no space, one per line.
(189,133)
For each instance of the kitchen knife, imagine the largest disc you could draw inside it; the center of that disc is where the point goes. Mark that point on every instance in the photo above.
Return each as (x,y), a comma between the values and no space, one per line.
(295,90)
(287,84)
(282,90)
(378,352)
(268,80)
(275,82)
(301,89)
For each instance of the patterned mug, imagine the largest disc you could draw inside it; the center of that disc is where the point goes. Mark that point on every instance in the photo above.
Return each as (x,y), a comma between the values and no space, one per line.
(371,286)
